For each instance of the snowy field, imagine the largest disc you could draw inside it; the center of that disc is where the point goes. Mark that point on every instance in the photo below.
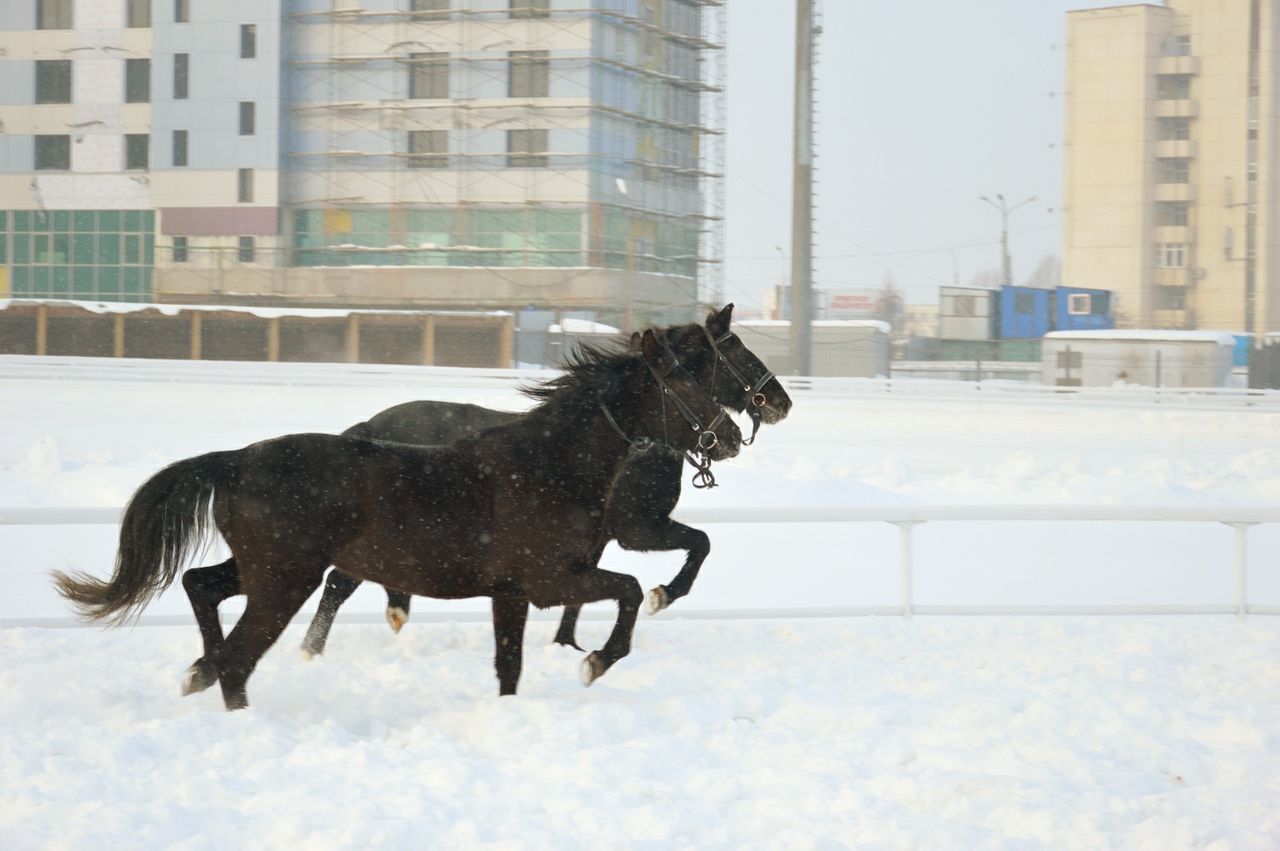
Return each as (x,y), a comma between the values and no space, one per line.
(942,732)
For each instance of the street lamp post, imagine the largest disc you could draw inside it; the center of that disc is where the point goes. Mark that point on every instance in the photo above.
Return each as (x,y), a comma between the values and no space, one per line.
(1005,210)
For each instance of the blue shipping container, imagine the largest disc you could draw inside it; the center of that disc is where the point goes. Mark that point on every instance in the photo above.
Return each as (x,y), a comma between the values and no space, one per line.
(1082,309)
(1024,312)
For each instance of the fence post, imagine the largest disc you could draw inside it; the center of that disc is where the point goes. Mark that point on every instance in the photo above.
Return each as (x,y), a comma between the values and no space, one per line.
(1242,568)
(905,565)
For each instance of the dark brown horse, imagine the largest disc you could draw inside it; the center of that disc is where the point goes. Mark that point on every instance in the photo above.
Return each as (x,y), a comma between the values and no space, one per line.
(646,492)
(515,513)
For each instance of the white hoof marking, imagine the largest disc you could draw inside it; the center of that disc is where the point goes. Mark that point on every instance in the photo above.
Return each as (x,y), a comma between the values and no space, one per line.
(397,617)
(655,601)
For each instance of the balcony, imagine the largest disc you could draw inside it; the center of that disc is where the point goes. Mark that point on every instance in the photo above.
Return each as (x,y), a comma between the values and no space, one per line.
(1178,65)
(1175,192)
(1175,233)
(1184,108)
(1184,148)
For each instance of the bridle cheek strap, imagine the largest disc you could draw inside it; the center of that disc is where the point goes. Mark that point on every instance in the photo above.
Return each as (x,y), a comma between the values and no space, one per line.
(755,397)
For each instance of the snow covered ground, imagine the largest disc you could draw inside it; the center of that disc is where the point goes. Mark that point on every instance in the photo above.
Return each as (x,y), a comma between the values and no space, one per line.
(857,732)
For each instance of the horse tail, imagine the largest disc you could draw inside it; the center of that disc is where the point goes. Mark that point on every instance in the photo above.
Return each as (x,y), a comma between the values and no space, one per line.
(166,518)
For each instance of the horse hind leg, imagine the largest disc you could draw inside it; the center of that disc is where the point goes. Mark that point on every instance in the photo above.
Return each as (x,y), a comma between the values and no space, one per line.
(206,588)
(267,613)
(338,588)
(397,609)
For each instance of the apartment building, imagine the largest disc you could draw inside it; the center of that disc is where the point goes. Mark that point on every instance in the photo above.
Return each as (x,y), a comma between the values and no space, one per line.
(1172,188)
(369,153)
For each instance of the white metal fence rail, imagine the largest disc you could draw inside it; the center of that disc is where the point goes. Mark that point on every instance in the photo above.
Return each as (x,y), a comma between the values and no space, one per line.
(17,367)
(906,518)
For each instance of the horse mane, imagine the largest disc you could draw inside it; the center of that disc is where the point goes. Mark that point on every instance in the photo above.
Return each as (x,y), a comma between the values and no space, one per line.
(588,367)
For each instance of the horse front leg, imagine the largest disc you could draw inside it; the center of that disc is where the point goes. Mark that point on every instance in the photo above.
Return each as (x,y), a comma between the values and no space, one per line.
(206,588)
(593,585)
(509,617)
(667,534)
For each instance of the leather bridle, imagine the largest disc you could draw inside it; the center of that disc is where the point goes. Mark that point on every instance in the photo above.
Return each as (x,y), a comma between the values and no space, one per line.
(754,390)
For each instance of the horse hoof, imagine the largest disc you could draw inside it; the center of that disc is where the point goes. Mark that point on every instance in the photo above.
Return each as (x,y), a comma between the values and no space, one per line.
(308,654)
(199,677)
(397,617)
(656,600)
(567,642)
(592,669)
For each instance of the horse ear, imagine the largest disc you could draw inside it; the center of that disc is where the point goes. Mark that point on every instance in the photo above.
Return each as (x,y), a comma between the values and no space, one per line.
(718,322)
(648,345)
(634,343)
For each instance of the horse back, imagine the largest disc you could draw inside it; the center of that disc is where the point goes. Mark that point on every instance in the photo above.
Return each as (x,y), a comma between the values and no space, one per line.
(429,423)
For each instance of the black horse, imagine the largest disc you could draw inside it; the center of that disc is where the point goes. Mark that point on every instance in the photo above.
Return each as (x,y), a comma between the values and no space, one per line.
(646,492)
(515,513)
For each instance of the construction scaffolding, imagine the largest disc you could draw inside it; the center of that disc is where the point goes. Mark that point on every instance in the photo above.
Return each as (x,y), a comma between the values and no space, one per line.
(512,139)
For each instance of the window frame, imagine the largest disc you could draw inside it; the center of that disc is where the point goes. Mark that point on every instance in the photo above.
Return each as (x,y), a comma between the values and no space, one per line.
(248,41)
(246,249)
(132,142)
(182,11)
(42,93)
(1074,302)
(248,118)
(180,250)
(132,83)
(433,155)
(181,76)
(244,185)
(529,8)
(528,155)
(48,137)
(429,75)
(55,14)
(528,73)
(180,142)
(137,14)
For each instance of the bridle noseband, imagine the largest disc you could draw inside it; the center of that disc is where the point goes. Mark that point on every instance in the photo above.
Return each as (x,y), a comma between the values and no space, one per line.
(756,399)
(706,434)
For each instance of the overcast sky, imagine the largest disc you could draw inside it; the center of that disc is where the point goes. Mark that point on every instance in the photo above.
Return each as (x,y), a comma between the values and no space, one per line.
(922,106)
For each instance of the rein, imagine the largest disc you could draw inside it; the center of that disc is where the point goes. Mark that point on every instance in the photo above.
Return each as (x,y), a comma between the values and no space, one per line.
(703,478)
(756,399)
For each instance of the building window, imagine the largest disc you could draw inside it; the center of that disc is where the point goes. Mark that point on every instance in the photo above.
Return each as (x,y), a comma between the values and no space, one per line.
(244,185)
(1173,86)
(181,12)
(136,150)
(138,14)
(179,249)
(137,80)
(53,81)
(181,75)
(429,8)
(1178,45)
(965,305)
(1171,255)
(1172,214)
(428,75)
(1170,298)
(530,8)
(53,153)
(1175,129)
(248,41)
(246,118)
(1024,303)
(1173,170)
(53,14)
(1079,304)
(428,148)
(530,74)
(179,147)
(526,149)
(247,250)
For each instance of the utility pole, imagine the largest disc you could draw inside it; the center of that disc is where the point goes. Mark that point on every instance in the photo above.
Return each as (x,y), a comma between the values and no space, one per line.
(802,196)
(1005,210)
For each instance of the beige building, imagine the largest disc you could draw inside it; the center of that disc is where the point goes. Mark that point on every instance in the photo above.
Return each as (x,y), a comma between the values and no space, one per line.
(1172,188)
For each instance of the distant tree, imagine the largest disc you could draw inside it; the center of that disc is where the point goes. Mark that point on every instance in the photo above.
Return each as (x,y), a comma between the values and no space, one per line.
(890,303)
(1048,273)
(987,278)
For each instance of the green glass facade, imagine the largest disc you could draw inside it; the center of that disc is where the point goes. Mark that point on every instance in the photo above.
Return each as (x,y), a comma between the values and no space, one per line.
(526,236)
(91,255)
